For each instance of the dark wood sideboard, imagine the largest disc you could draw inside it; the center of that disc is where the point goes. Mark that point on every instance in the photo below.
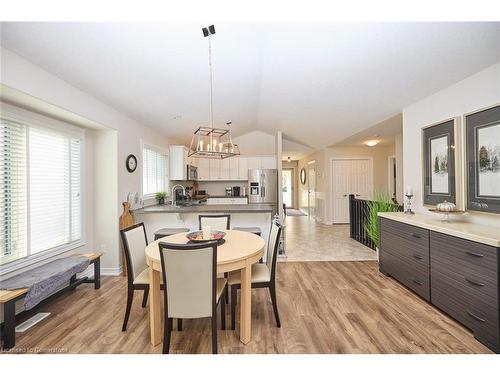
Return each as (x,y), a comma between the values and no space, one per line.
(458,276)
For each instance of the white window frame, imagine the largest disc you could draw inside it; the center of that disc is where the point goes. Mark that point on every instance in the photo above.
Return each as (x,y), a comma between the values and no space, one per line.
(36,120)
(163,151)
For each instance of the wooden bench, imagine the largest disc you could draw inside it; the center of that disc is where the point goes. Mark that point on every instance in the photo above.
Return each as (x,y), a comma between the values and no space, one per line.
(9,297)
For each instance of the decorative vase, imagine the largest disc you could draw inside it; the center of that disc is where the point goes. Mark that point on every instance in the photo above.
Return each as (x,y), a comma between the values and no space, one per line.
(445,206)
(161,201)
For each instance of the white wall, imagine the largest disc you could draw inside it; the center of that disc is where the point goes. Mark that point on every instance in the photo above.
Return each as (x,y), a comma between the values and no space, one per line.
(28,78)
(473,93)
(379,155)
(256,143)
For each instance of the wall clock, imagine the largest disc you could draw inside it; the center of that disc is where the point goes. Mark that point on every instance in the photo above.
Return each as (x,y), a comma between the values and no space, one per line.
(303,176)
(131,163)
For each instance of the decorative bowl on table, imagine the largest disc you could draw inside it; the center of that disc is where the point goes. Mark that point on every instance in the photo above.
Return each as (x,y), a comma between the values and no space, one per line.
(197,236)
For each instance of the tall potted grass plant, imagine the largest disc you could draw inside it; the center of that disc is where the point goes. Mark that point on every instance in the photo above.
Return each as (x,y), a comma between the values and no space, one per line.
(380,203)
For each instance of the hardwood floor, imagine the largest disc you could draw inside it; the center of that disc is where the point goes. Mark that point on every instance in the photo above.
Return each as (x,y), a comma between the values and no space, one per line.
(325,307)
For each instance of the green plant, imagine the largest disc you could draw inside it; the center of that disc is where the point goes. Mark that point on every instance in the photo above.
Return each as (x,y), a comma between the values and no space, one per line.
(160,196)
(380,203)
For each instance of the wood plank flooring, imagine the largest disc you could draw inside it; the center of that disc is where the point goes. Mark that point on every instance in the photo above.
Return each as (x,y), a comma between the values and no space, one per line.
(325,307)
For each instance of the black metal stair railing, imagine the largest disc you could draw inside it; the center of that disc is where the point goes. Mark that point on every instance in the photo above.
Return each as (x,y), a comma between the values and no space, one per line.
(359,211)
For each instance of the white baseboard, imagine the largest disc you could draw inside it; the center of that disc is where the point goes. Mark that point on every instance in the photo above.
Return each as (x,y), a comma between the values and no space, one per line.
(89,272)
(111,271)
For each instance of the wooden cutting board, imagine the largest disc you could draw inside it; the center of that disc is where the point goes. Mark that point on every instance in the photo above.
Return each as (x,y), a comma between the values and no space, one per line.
(126,220)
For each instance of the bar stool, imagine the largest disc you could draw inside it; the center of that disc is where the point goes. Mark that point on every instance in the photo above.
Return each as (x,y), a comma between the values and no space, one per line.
(164,232)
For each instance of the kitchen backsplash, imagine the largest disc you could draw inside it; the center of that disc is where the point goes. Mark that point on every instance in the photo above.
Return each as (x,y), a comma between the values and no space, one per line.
(214,187)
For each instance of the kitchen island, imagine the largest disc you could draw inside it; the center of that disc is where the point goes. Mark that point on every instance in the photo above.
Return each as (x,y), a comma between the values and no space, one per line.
(168,216)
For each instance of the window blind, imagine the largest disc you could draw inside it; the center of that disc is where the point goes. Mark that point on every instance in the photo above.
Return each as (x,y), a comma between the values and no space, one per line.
(13,194)
(41,180)
(154,171)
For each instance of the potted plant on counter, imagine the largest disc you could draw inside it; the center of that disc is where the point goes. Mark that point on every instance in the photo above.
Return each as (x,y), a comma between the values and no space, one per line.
(381,203)
(160,197)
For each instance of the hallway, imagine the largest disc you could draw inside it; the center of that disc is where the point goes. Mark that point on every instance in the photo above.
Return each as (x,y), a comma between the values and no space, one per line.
(308,240)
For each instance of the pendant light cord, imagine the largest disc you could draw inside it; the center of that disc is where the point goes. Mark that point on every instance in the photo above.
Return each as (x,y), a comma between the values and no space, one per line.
(211,84)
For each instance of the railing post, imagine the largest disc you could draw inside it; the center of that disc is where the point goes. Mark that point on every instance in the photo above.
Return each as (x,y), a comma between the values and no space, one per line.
(351,215)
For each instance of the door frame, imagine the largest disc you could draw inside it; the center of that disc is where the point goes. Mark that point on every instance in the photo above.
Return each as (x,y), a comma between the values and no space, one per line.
(390,177)
(293,184)
(334,158)
(309,164)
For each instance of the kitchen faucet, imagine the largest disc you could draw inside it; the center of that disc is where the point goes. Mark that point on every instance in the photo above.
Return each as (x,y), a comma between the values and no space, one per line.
(174,188)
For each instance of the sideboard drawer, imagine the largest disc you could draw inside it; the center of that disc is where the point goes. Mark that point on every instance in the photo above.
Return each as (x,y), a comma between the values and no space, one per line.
(415,236)
(417,256)
(463,256)
(405,273)
(472,312)
(468,282)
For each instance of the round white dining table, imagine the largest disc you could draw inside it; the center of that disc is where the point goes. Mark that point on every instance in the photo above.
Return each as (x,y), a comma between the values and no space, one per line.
(239,251)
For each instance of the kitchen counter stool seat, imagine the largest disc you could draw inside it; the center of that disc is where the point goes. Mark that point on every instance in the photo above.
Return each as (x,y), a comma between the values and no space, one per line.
(164,232)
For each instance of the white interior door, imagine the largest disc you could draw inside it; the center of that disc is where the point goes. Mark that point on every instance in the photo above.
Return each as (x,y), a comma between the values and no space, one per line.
(341,177)
(349,176)
(361,184)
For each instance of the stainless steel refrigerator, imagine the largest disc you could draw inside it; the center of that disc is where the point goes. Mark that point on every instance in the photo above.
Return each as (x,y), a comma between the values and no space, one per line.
(263,186)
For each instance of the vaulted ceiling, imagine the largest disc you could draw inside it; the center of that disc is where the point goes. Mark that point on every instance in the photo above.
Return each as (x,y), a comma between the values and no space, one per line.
(318,83)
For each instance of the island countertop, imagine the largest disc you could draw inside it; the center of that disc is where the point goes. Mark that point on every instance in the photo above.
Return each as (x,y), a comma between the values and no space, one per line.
(258,207)
(455,227)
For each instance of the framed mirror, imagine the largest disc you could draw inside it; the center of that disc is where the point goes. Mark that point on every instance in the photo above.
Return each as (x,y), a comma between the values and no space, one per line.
(303,176)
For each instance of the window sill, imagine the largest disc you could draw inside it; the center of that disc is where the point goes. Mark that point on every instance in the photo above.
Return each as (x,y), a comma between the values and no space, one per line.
(27,262)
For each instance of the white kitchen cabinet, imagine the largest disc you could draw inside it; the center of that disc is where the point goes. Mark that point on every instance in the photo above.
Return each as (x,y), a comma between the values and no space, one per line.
(178,162)
(254,162)
(224,172)
(268,162)
(203,169)
(214,169)
(234,168)
(227,200)
(242,168)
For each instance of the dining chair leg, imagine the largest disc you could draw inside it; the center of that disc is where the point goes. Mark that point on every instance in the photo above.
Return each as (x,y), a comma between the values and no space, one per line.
(179,325)
(223,312)
(167,330)
(226,288)
(234,297)
(145,297)
(214,334)
(272,291)
(130,298)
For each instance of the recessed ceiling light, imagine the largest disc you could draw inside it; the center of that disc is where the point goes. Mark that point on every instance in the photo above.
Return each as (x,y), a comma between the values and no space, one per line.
(372,142)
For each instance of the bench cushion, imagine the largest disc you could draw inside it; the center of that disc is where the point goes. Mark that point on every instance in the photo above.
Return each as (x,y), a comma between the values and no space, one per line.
(46,279)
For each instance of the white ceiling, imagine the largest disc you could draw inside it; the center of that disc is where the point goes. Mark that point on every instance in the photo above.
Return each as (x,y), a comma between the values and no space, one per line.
(385,132)
(318,83)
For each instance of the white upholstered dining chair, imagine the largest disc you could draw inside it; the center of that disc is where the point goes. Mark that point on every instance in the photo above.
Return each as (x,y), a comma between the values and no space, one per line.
(134,242)
(192,287)
(263,275)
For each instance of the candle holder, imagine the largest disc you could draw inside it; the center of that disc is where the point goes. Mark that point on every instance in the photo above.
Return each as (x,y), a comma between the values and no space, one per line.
(408,210)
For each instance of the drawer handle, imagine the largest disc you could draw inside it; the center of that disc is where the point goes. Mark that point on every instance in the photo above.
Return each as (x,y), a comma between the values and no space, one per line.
(476,317)
(416,235)
(417,281)
(477,283)
(418,257)
(477,255)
